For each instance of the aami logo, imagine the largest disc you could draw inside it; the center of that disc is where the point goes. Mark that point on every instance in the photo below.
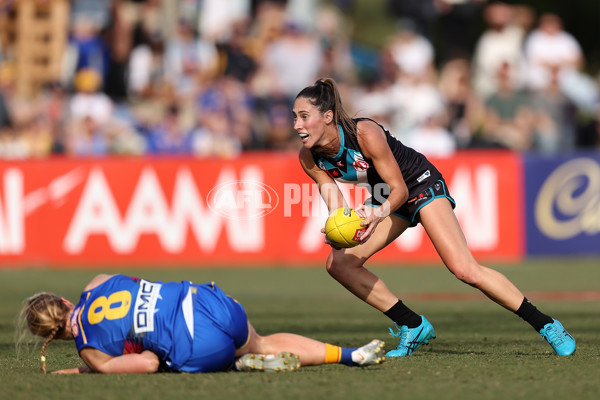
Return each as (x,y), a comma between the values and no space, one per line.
(145,306)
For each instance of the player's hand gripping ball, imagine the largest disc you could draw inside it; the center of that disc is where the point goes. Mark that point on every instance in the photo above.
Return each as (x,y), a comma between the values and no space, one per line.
(343,228)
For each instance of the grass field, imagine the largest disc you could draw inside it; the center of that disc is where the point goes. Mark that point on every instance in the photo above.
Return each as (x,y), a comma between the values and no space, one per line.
(481,350)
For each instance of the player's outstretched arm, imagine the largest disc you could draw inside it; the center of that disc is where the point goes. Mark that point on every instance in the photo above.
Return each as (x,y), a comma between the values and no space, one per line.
(142,363)
(68,371)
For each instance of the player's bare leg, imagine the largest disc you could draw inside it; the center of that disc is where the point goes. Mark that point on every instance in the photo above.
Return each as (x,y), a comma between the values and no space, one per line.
(443,229)
(445,233)
(291,350)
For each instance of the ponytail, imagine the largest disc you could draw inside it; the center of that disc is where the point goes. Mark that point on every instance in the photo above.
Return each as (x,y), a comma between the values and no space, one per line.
(324,95)
(44,315)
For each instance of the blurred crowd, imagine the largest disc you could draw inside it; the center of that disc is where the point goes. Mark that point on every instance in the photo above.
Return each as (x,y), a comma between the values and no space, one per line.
(215,78)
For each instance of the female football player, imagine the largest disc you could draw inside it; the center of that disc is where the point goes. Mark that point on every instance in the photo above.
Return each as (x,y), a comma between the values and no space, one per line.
(406,190)
(124,324)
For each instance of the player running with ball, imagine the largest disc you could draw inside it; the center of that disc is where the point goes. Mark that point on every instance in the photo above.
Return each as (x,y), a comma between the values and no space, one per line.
(338,147)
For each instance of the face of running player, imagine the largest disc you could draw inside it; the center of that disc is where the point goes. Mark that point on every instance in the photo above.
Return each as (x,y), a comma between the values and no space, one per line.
(310,123)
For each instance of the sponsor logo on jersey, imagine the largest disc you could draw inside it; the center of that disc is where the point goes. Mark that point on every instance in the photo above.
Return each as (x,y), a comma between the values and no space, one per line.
(334,173)
(420,197)
(145,306)
(425,175)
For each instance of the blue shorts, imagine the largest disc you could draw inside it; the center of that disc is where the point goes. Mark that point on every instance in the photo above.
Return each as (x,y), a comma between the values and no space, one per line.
(410,210)
(220,327)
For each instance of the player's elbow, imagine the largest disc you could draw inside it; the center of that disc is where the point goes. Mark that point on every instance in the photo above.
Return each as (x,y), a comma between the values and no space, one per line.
(151,362)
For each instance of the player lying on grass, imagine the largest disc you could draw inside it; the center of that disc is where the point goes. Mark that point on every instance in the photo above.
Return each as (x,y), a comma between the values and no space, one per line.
(125,324)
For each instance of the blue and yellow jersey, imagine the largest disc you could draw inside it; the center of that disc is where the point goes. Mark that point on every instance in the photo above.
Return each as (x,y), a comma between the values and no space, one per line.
(351,166)
(128,315)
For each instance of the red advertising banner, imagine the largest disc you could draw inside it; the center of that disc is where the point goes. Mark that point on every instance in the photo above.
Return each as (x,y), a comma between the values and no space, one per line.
(259,209)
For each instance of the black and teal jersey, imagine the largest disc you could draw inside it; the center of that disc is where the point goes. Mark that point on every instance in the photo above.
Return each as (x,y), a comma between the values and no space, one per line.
(351,166)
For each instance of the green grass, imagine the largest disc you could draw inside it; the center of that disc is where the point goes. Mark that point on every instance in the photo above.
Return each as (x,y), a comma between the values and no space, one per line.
(481,352)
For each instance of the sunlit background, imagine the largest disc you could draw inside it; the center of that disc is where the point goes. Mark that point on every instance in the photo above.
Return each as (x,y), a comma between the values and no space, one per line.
(118,118)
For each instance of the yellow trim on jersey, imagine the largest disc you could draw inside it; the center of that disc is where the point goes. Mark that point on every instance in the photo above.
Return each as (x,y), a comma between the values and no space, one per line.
(81,325)
(79,320)
(246,342)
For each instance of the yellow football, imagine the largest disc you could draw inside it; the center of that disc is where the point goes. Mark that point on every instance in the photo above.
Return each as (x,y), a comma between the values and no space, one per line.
(343,227)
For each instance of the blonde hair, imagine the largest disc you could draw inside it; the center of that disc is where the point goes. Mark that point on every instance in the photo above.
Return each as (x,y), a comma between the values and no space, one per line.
(45,315)
(324,95)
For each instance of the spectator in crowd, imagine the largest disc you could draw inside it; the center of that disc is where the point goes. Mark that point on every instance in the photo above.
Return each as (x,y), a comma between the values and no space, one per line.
(145,64)
(256,55)
(456,27)
(412,52)
(550,50)
(413,101)
(431,138)
(85,138)
(218,18)
(291,60)
(86,50)
(555,129)
(236,54)
(89,100)
(189,60)
(337,54)
(509,118)
(464,107)
(93,125)
(501,43)
(552,53)
(223,113)
(168,136)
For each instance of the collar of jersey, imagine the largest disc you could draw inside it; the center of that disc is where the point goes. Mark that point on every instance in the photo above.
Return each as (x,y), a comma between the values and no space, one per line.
(342,144)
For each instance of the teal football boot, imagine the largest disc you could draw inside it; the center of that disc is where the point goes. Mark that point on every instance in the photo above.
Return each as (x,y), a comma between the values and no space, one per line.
(411,338)
(558,337)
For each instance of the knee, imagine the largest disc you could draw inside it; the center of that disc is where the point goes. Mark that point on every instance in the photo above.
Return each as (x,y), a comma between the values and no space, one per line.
(338,267)
(469,273)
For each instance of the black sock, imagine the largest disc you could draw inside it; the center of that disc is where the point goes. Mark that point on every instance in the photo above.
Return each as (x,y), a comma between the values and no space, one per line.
(403,315)
(533,316)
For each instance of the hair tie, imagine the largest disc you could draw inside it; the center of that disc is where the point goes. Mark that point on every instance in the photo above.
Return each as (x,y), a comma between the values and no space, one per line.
(43,358)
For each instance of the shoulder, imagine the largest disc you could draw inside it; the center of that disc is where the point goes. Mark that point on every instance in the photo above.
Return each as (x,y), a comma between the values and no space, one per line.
(367,128)
(97,281)
(372,139)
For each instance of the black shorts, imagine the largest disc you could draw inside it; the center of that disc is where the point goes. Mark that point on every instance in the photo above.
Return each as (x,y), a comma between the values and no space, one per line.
(410,210)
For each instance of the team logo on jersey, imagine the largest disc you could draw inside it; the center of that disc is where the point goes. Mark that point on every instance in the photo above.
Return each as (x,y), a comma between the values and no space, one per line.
(145,306)
(132,346)
(74,326)
(359,164)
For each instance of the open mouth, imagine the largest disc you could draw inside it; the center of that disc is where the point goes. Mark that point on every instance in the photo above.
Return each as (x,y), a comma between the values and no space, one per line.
(303,136)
